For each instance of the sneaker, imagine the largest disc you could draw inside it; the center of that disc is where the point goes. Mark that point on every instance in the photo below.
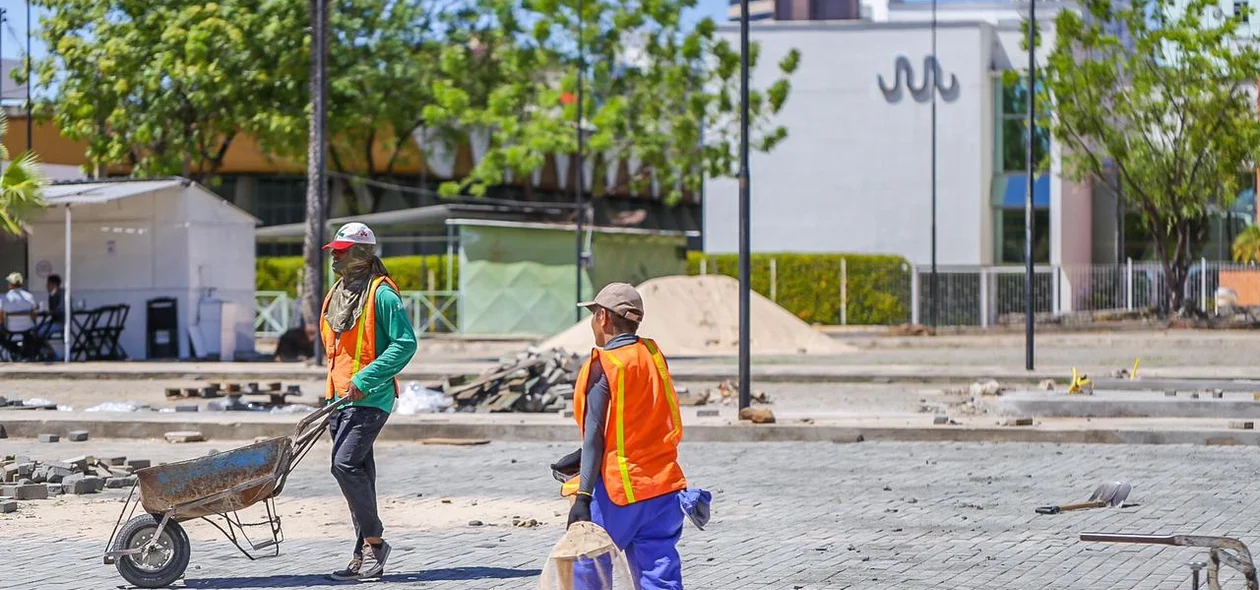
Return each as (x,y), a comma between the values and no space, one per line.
(350,573)
(376,557)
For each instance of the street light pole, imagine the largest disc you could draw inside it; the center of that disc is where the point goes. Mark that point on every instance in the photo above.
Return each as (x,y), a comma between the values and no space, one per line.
(745,246)
(936,68)
(578,210)
(1028,202)
(30,116)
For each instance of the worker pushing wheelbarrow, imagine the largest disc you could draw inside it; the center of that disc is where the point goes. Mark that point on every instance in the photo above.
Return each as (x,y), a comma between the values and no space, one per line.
(151,550)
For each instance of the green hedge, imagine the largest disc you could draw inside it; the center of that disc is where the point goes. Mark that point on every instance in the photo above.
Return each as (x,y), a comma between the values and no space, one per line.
(808,285)
(281,273)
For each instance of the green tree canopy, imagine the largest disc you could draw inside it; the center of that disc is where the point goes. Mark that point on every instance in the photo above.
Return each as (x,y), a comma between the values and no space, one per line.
(1164,113)
(656,92)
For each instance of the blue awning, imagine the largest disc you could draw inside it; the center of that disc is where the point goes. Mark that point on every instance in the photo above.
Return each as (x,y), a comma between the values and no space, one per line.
(1013,189)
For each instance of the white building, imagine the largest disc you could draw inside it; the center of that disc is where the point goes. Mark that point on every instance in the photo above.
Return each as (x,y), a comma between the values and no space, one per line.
(855,173)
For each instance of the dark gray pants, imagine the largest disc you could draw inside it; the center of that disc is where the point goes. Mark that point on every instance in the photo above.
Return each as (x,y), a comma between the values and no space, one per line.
(354,430)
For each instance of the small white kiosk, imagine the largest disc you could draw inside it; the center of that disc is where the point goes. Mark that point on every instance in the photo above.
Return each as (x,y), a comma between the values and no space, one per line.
(133,241)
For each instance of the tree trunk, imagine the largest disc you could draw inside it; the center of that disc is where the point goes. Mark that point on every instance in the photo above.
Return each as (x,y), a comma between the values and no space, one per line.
(315,187)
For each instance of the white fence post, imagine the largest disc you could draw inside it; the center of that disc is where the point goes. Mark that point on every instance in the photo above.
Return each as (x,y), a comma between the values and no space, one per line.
(914,295)
(1128,285)
(844,292)
(1056,302)
(1203,300)
(774,281)
(984,297)
(704,266)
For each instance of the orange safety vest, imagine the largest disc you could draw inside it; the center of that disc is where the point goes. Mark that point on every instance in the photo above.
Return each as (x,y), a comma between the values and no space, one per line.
(643,426)
(350,351)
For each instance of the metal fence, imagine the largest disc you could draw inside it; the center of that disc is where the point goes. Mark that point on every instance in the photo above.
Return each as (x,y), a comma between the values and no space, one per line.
(981,296)
(431,312)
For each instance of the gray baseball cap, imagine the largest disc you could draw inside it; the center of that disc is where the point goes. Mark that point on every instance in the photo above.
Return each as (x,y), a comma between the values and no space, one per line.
(619,298)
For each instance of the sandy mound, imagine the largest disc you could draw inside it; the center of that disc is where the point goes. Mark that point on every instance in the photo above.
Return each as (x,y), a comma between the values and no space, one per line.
(699,316)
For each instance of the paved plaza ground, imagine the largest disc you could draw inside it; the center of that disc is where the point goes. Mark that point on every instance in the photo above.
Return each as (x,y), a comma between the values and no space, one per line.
(786,515)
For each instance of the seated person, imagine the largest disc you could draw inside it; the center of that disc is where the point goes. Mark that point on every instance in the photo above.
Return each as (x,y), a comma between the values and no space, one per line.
(17,315)
(56,309)
(298,344)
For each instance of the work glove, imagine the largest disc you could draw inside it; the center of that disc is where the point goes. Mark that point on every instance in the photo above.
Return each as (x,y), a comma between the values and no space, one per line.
(581,510)
(568,465)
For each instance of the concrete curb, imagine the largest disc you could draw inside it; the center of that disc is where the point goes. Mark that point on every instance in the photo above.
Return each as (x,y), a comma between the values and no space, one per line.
(32,426)
(680,372)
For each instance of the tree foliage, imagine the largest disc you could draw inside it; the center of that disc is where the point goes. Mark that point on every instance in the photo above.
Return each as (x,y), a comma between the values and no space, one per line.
(1156,100)
(656,93)
(166,87)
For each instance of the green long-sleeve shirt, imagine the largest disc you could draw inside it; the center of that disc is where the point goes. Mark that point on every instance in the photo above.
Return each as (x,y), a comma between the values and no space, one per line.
(395,345)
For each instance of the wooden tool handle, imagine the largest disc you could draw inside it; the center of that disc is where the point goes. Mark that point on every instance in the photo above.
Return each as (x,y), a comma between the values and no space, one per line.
(1082,506)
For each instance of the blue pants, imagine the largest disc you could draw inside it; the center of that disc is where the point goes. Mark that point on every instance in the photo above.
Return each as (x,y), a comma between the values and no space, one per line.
(647,532)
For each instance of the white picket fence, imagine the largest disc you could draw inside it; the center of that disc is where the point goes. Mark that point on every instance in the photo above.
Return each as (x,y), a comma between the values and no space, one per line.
(432,312)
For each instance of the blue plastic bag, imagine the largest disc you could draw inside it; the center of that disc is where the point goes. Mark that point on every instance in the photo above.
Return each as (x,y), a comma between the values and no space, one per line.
(695,504)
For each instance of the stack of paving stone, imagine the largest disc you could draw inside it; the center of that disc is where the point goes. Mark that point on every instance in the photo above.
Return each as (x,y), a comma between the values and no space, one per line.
(274,395)
(536,380)
(27,479)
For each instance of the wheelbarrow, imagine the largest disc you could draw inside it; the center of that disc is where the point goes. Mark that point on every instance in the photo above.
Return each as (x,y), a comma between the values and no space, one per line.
(151,550)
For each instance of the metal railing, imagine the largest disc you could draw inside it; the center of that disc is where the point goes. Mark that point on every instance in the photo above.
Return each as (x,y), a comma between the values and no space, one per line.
(985,296)
(431,312)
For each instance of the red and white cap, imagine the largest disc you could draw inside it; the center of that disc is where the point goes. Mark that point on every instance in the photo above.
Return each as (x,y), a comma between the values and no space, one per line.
(351,234)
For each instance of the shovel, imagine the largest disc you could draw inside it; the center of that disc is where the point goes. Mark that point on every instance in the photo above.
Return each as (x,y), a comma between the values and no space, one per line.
(1107,494)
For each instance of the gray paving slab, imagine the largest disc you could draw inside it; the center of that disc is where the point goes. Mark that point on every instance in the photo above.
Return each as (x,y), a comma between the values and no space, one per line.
(785,515)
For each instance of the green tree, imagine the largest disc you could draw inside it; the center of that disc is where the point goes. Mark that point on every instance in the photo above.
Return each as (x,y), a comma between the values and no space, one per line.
(384,62)
(1162,113)
(166,87)
(657,92)
(21,185)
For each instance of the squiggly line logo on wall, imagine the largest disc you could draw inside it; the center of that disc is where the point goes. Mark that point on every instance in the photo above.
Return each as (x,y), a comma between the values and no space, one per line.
(903,78)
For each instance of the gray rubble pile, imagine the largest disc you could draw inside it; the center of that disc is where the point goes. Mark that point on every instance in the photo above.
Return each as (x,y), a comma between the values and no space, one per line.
(24,478)
(537,380)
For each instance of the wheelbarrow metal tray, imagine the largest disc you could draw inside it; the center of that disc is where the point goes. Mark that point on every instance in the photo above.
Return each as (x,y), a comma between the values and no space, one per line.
(215,484)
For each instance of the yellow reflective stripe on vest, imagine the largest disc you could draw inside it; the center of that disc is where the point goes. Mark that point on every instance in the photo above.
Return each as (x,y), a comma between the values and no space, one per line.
(358,339)
(620,393)
(669,383)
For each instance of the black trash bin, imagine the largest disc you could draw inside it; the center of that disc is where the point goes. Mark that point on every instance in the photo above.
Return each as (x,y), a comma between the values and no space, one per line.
(162,328)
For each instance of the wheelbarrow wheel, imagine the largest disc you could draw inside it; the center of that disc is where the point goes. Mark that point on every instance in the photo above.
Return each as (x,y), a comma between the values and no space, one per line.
(159,565)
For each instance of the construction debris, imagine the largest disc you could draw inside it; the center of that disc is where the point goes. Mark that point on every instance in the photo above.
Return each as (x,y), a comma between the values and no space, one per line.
(536,380)
(455,442)
(184,436)
(986,387)
(275,396)
(757,415)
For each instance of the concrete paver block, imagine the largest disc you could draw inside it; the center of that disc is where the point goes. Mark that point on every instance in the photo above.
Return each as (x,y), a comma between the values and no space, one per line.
(77,435)
(25,469)
(80,463)
(713,413)
(120,482)
(57,474)
(49,438)
(25,492)
(8,506)
(82,484)
(187,408)
(3,434)
(938,420)
(1242,425)
(119,460)
(184,436)
(1017,422)
(54,489)
(139,463)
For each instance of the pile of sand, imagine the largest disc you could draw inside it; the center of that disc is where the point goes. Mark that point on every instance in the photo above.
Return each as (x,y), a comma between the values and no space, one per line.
(699,316)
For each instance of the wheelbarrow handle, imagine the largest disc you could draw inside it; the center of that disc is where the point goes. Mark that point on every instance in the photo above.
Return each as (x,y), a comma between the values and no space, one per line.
(318,416)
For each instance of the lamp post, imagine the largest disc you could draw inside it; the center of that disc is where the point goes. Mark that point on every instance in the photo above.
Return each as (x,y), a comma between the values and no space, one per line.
(579,210)
(1028,202)
(745,267)
(932,286)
